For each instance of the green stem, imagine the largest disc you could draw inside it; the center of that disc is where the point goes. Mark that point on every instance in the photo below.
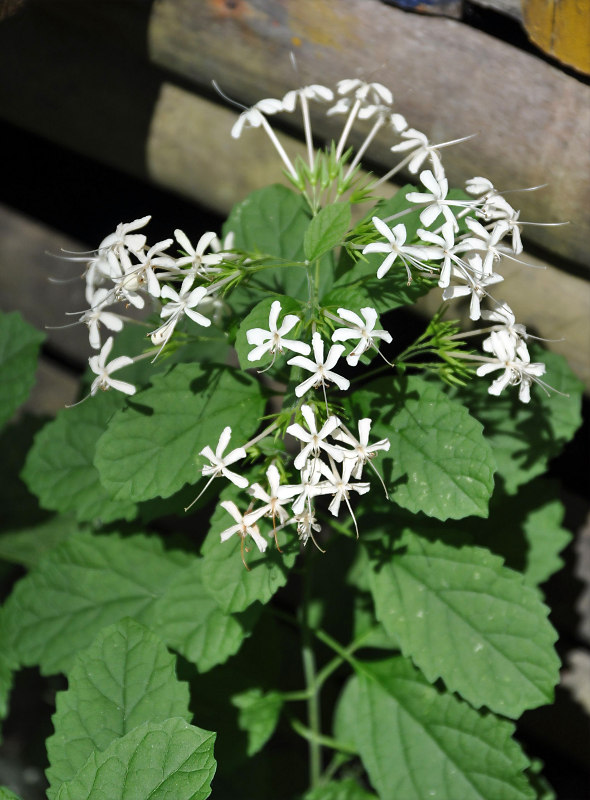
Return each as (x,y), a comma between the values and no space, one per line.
(313,700)
(320,739)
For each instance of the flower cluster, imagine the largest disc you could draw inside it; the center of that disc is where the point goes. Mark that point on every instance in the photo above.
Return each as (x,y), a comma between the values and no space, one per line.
(460,242)
(330,462)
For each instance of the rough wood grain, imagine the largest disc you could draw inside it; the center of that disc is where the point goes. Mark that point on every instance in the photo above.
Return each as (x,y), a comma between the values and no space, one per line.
(560,28)
(533,121)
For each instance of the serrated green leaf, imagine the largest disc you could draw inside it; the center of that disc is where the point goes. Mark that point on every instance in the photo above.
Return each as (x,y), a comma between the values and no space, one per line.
(125,678)
(151,449)
(259,715)
(27,545)
(258,318)
(81,586)
(439,461)
(525,436)
(159,760)
(435,745)
(233,587)
(19,349)
(326,230)
(340,790)
(60,470)
(190,621)
(463,616)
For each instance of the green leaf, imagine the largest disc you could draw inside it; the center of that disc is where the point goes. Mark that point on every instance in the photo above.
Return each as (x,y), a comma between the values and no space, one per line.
(27,545)
(151,448)
(525,529)
(190,621)
(228,582)
(125,678)
(347,789)
(6,794)
(258,318)
(463,616)
(60,470)
(439,461)
(159,760)
(19,349)
(326,230)
(436,745)
(525,436)
(259,715)
(8,663)
(81,586)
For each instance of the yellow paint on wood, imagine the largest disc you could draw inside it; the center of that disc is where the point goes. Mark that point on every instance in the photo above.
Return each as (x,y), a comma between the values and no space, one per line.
(561,28)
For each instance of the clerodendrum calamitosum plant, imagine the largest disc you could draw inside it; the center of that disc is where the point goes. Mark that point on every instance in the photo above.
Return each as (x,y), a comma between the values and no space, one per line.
(402,492)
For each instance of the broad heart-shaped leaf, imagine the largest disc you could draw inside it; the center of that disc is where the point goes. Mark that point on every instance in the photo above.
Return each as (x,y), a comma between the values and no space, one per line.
(125,678)
(258,318)
(60,470)
(151,449)
(417,742)
(157,760)
(259,715)
(233,587)
(19,347)
(81,586)
(463,616)
(326,230)
(190,621)
(525,436)
(347,789)
(439,461)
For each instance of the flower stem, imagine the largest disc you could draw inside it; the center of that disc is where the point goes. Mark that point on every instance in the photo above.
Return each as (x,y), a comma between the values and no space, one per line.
(309,671)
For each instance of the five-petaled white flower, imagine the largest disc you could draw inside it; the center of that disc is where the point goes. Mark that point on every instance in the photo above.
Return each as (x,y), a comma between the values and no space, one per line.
(396,247)
(243,528)
(516,372)
(321,368)
(438,188)
(196,260)
(314,440)
(477,282)
(254,117)
(271,341)
(103,370)
(273,503)
(219,462)
(340,486)
(362,452)
(97,316)
(363,330)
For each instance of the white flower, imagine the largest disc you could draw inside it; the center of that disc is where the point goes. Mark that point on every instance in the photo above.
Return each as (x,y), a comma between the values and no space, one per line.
(444,248)
(219,462)
(142,276)
(308,488)
(313,92)
(364,331)
(479,186)
(516,372)
(272,340)
(97,316)
(314,440)
(438,189)
(306,525)
(103,370)
(417,141)
(340,486)
(477,282)
(504,315)
(272,502)
(254,117)
(200,264)
(369,97)
(181,303)
(362,452)
(115,245)
(242,527)
(395,247)
(485,241)
(322,368)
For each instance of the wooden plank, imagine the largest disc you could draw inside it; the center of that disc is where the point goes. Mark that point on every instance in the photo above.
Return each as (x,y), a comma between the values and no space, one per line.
(561,28)
(533,121)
